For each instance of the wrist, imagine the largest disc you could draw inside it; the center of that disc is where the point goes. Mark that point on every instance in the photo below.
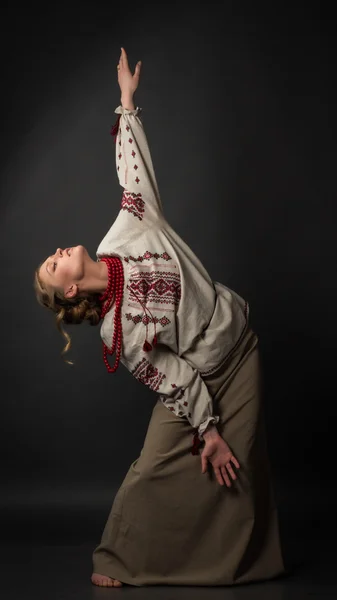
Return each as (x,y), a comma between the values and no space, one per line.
(211,432)
(127,101)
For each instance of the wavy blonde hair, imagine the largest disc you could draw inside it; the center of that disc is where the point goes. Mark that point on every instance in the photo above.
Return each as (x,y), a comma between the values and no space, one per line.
(73,311)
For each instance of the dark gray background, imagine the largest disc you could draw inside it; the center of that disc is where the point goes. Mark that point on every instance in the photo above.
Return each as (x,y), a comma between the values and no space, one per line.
(239,107)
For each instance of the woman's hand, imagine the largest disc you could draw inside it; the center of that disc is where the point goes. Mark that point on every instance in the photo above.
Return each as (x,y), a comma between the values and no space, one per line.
(128,83)
(218,453)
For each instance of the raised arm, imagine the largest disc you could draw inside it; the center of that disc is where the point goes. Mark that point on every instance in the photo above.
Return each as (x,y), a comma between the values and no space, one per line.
(133,159)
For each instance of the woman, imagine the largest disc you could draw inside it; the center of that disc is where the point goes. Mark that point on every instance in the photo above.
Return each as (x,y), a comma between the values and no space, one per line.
(173,521)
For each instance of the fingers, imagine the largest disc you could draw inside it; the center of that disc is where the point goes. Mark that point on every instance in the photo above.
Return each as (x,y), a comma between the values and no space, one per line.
(124,65)
(137,69)
(203,464)
(225,476)
(235,462)
(222,472)
(218,475)
(119,65)
(230,471)
(124,58)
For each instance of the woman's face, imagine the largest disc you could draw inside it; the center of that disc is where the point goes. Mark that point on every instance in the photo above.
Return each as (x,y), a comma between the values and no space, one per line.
(65,268)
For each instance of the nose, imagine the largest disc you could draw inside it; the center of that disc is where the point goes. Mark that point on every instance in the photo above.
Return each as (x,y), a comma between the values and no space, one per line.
(58,251)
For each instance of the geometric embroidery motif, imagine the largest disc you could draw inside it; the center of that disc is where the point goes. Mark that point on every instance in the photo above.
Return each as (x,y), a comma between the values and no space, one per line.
(148,374)
(134,204)
(145,319)
(147,255)
(176,408)
(180,394)
(158,287)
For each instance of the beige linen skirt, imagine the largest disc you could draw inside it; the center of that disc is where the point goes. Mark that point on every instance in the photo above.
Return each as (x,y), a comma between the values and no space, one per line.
(172,525)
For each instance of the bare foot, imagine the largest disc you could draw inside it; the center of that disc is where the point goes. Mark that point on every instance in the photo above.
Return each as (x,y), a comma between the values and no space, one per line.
(105,581)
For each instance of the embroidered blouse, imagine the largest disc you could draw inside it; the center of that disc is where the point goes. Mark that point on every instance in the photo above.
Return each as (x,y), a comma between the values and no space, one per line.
(168,294)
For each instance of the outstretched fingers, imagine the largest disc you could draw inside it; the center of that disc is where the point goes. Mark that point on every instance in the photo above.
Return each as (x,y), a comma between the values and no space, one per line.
(235,462)
(124,69)
(228,467)
(137,69)
(230,471)
(225,476)
(219,474)
(124,58)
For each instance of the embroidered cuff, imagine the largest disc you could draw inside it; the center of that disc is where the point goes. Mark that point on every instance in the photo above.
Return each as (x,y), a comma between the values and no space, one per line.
(125,111)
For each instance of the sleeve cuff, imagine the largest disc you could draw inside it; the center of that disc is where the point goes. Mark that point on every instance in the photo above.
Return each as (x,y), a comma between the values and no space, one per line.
(212,420)
(125,111)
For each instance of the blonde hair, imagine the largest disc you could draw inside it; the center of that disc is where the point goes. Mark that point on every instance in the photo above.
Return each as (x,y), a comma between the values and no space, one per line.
(73,311)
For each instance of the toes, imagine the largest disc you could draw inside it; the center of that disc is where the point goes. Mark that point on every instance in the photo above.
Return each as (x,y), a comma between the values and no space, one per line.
(97,580)
(105,581)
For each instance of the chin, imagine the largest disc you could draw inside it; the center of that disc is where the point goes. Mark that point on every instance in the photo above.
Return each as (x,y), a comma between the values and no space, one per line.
(82,253)
(80,249)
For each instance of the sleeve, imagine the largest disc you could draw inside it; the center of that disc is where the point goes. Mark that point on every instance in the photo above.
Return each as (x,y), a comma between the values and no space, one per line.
(180,386)
(135,169)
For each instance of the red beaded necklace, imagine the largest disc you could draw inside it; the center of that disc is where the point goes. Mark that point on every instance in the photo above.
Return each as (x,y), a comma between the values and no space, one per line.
(115,288)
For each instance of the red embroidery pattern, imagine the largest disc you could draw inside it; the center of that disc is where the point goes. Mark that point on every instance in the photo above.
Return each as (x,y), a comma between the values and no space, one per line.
(147,255)
(159,287)
(180,395)
(177,410)
(134,204)
(145,319)
(148,374)
(130,140)
(137,180)
(133,153)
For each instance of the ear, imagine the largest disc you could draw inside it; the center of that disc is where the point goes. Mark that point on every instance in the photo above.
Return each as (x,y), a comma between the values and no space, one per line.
(71,291)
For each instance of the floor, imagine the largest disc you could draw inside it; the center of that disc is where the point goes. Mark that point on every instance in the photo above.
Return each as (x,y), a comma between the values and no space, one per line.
(63,573)
(46,559)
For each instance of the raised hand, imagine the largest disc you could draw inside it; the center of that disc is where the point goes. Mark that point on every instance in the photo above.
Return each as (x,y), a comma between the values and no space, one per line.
(128,82)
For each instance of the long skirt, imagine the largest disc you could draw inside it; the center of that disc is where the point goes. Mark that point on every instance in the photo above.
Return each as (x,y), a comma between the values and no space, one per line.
(171,524)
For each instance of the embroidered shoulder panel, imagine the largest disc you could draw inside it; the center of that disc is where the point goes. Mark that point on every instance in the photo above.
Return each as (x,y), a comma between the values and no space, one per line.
(145,319)
(147,256)
(155,287)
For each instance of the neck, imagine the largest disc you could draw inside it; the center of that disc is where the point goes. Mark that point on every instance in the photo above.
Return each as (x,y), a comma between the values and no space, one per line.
(96,278)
